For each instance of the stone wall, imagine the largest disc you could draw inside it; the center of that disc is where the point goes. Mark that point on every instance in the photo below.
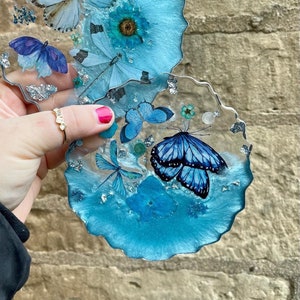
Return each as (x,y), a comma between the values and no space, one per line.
(249,51)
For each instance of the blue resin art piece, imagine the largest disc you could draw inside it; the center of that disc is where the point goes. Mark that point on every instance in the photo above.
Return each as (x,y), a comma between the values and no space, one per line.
(173,188)
(172,172)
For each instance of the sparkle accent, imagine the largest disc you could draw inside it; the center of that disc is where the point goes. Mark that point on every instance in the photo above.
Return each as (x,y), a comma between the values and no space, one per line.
(103,198)
(23,15)
(122,153)
(76,38)
(41,92)
(172,85)
(149,141)
(75,165)
(4,60)
(239,127)
(84,100)
(246,150)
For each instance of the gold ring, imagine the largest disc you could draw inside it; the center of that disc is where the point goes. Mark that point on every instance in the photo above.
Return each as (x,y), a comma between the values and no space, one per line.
(60,121)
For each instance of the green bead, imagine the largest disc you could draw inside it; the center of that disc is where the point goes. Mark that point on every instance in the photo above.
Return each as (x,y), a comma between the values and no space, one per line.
(139,148)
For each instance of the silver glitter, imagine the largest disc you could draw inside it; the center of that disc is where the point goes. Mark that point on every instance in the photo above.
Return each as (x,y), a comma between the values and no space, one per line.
(149,141)
(246,150)
(236,183)
(103,198)
(4,60)
(122,153)
(172,85)
(41,92)
(225,188)
(239,127)
(84,100)
(76,165)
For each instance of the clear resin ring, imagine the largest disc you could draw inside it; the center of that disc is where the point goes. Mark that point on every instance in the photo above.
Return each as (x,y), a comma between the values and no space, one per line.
(172,174)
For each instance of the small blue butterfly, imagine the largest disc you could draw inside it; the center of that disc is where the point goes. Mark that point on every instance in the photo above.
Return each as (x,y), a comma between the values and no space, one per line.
(35,54)
(62,15)
(186,158)
(114,166)
(136,116)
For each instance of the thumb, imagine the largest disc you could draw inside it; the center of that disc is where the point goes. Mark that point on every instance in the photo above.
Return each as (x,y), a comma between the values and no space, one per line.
(39,133)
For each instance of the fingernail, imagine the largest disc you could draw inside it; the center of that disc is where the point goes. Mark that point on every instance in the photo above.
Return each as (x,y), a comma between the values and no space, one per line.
(104,114)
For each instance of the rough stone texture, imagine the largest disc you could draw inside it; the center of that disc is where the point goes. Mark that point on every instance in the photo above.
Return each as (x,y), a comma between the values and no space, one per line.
(249,51)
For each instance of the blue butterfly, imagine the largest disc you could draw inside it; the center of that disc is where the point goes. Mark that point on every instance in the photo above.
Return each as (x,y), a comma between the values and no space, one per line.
(35,54)
(62,15)
(186,158)
(136,116)
(114,166)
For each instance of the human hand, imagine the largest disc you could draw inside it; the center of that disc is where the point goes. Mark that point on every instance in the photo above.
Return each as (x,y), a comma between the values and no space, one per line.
(31,141)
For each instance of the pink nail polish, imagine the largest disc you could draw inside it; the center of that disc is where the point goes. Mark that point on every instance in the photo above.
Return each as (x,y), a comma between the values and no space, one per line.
(104,114)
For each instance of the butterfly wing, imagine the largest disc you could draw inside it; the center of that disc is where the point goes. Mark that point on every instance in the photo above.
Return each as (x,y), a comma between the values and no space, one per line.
(103,164)
(29,61)
(88,59)
(194,179)
(26,45)
(100,37)
(113,152)
(42,65)
(154,115)
(164,173)
(183,148)
(56,60)
(122,73)
(169,152)
(100,3)
(200,155)
(130,174)
(133,126)
(62,15)
(118,185)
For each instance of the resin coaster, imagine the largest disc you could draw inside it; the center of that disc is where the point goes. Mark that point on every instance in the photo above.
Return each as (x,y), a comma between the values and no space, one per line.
(172,174)
(173,170)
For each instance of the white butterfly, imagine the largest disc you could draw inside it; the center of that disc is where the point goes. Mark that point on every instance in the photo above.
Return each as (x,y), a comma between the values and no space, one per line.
(62,15)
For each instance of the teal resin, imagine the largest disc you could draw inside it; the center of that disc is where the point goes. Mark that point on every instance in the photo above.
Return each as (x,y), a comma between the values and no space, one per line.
(156,223)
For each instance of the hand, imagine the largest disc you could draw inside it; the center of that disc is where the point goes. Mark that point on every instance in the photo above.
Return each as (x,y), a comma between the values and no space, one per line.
(31,141)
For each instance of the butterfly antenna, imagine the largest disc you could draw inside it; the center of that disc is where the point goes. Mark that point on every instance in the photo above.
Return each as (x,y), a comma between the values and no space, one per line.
(202,129)
(174,128)
(111,63)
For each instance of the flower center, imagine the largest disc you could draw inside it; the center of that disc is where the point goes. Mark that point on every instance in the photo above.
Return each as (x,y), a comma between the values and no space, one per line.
(127,27)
